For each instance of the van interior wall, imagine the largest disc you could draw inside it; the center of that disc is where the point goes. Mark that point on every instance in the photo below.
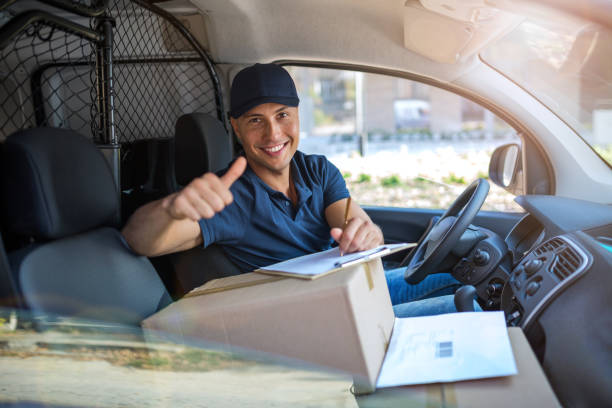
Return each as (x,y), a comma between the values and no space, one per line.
(66,94)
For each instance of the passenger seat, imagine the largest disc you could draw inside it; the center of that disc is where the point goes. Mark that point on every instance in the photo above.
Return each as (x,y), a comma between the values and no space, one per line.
(59,192)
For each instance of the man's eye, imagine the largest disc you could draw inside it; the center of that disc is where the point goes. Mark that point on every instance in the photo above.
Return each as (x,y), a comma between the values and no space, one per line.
(283,115)
(254,120)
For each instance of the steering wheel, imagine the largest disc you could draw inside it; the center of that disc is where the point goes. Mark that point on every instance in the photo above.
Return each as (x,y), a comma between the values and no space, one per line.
(437,243)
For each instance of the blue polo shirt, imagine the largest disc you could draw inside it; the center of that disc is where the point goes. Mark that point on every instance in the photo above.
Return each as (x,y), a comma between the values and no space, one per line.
(262,226)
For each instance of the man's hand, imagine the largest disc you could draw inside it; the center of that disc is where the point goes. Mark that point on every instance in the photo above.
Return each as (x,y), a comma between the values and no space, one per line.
(204,196)
(357,235)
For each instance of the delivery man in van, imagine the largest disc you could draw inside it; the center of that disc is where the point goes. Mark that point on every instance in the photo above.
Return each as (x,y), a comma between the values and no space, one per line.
(275,202)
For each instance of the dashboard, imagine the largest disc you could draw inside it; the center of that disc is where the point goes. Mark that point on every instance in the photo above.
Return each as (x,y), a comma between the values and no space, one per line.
(558,289)
(548,252)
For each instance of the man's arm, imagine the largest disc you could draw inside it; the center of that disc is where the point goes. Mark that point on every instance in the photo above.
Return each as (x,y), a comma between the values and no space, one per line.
(359,234)
(171,224)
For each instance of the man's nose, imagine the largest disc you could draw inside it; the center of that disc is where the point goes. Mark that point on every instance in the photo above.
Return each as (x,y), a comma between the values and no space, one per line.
(274,129)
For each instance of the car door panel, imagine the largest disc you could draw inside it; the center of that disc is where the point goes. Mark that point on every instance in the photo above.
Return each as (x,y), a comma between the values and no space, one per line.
(408,224)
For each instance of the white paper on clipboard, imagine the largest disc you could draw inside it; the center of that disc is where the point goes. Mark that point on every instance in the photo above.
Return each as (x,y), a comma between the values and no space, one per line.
(321,263)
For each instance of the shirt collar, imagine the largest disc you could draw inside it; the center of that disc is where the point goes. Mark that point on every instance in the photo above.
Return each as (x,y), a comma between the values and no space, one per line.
(301,188)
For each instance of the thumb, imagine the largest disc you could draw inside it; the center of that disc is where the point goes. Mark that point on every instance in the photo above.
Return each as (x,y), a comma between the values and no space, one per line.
(336,234)
(234,172)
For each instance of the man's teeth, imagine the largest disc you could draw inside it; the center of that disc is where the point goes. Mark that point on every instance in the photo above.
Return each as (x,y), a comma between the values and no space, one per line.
(274,149)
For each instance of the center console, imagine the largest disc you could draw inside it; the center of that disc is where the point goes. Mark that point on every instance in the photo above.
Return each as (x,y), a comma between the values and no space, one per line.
(539,277)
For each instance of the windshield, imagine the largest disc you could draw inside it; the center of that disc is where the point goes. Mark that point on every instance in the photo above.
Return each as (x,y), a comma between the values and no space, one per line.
(60,362)
(565,62)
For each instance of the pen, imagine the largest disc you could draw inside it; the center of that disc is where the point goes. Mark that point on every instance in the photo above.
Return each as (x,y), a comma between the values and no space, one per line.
(379,252)
(346,213)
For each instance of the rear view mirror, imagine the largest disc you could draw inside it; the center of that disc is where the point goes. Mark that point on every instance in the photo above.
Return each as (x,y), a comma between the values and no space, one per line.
(505,168)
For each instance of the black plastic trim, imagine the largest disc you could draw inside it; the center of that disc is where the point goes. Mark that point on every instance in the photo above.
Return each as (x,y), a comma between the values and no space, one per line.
(5,3)
(586,261)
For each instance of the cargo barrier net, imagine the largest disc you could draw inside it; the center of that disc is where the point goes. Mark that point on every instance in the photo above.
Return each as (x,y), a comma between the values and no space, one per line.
(116,71)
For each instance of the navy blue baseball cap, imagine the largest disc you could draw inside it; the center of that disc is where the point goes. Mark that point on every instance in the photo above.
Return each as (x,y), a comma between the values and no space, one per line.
(261,83)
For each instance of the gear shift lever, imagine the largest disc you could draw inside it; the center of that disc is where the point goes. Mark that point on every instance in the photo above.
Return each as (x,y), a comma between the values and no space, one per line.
(464,298)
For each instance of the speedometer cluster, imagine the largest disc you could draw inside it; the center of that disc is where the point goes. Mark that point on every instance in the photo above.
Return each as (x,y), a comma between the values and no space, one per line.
(527,233)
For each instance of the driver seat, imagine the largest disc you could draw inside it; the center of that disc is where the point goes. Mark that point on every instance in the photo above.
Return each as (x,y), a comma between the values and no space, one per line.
(201,145)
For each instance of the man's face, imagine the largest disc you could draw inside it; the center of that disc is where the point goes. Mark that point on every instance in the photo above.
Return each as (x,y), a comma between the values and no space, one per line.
(269,134)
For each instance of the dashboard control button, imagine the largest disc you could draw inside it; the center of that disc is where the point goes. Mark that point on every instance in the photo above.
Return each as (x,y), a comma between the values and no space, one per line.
(516,281)
(532,288)
(481,257)
(463,269)
(494,289)
(532,266)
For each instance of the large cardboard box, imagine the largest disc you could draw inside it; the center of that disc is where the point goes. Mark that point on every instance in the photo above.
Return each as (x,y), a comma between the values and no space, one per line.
(342,320)
(529,388)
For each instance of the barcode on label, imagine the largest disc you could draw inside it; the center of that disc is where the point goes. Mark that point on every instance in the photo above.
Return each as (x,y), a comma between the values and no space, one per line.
(444,349)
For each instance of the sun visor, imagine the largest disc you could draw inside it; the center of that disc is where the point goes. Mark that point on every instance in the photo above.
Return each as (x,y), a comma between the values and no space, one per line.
(452,31)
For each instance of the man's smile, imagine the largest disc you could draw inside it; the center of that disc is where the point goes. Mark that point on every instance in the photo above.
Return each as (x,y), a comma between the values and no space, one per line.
(275,149)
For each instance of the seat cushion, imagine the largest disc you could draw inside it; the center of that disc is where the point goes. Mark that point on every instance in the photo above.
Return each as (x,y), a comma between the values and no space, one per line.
(196,266)
(91,275)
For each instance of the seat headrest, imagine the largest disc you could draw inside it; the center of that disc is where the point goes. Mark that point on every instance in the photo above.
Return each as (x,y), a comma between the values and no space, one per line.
(201,145)
(55,183)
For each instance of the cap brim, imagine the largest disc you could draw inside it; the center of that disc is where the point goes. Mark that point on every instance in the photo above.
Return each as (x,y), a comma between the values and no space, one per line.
(245,107)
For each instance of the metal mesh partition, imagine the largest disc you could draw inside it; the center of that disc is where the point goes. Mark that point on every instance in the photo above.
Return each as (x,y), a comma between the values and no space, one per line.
(35,91)
(156,80)
(49,76)
(157,75)
(179,87)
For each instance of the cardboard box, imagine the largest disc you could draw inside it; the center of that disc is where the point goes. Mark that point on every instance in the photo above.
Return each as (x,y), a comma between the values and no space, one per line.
(529,388)
(342,321)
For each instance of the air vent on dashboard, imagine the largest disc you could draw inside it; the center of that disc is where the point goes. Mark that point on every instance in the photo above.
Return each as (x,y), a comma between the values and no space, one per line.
(565,263)
(565,260)
(549,246)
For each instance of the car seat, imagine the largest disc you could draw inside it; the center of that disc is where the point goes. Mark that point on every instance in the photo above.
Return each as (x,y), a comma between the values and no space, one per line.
(9,296)
(201,145)
(59,192)
(153,168)
(147,172)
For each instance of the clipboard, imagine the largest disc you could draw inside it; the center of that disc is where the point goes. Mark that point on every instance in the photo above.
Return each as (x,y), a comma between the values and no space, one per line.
(313,266)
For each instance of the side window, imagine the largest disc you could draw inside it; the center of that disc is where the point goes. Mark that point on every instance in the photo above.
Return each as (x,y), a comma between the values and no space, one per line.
(399,142)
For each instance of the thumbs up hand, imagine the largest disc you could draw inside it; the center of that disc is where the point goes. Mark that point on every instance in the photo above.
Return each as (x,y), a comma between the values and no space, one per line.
(204,196)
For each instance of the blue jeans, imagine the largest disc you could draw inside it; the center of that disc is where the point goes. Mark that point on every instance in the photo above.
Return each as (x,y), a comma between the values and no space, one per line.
(432,296)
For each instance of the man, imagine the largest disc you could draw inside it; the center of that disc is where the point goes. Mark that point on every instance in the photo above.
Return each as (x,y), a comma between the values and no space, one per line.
(273,204)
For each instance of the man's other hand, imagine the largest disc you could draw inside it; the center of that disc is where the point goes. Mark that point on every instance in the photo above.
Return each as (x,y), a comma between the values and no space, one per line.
(357,235)
(204,196)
